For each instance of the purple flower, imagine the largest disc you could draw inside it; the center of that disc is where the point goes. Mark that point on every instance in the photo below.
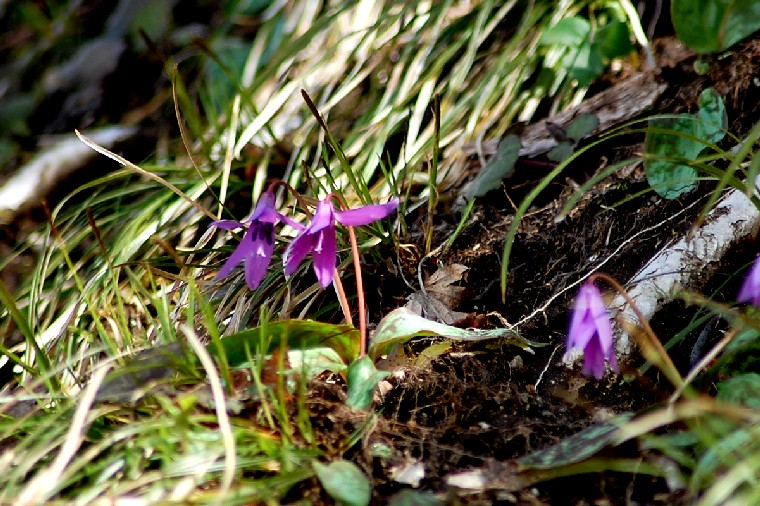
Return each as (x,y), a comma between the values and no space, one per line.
(257,245)
(591,332)
(319,237)
(750,290)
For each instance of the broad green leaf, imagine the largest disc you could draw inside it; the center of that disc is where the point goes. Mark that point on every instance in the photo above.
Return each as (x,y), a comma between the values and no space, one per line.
(585,64)
(142,372)
(362,377)
(743,389)
(561,152)
(401,325)
(499,166)
(577,447)
(313,361)
(671,142)
(665,139)
(299,334)
(712,112)
(582,126)
(427,355)
(570,32)
(129,382)
(614,40)
(710,26)
(579,128)
(345,482)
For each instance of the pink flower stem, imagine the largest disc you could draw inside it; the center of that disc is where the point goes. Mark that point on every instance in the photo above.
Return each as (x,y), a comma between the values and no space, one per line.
(359,283)
(661,358)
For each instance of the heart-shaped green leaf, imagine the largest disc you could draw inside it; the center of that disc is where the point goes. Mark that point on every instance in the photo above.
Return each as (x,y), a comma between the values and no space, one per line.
(710,26)
(344,482)
(670,142)
(362,377)
(499,166)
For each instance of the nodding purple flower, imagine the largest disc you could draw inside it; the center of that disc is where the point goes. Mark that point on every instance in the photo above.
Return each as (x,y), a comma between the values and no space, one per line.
(591,332)
(319,237)
(257,245)
(750,290)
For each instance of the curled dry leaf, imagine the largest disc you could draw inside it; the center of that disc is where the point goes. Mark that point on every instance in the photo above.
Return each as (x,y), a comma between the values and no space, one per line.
(441,295)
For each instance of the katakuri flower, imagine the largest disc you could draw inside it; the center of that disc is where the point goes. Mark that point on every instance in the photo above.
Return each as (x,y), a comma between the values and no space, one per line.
(319,237)
(750,290)
(256,248)
(591,332)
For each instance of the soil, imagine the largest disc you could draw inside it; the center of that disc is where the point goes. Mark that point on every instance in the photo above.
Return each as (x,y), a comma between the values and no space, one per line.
(480,407)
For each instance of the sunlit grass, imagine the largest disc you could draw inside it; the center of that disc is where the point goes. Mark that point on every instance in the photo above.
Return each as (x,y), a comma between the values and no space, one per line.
(127,262)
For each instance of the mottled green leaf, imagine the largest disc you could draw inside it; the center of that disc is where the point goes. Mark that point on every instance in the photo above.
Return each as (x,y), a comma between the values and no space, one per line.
(362,378)
(499,166)
(401,325)
(672,142)
(129,382)
(712,112)
(577,447)
(572,31)
(561,152)
(710,26)
(582,126)
(345,482)
(300,334)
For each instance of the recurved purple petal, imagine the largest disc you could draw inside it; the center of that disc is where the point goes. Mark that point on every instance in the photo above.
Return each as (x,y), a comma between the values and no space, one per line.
(324,216)
(265,209)
(367,214)
(237,256)
(227,224)
(297,251)
(750,290)
(324,256)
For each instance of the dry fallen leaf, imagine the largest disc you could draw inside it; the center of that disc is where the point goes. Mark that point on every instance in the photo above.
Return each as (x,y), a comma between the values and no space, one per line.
(441,295)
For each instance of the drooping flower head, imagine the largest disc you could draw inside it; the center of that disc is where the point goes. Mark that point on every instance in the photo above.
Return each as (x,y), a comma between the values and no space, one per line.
(750,290)
(591,331)
(256,248)
(319,237)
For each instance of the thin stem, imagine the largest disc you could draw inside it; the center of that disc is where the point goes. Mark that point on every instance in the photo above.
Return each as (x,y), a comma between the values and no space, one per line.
(279,182)
(359,282)
(667,366)
(433,173)
(341,292)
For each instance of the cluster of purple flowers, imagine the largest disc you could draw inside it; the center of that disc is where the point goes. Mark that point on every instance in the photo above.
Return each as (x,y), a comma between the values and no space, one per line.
(318,238)
(591,331)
